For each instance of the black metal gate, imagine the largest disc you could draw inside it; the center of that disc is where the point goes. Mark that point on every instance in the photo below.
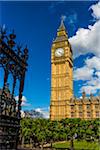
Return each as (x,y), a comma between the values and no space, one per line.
(13,61)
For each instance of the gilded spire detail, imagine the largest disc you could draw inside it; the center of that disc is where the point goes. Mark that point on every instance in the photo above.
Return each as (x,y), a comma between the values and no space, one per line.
(62,27)
(61,32)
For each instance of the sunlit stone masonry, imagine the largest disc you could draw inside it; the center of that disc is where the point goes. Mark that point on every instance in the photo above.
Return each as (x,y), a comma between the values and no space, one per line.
(63,104)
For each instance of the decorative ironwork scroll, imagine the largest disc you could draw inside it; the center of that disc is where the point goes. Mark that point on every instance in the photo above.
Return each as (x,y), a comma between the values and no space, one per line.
(13,60)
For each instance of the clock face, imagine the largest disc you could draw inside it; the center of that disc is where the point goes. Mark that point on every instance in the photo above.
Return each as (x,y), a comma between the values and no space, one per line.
(59,52)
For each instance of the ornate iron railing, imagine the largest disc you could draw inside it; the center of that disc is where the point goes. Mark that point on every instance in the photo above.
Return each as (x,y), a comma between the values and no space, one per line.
(13,60)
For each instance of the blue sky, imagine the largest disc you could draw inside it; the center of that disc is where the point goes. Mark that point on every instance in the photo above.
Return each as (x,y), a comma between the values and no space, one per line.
(35,24)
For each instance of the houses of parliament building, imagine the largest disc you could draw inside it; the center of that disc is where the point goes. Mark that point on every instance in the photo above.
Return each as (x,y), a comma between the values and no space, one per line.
(63,103)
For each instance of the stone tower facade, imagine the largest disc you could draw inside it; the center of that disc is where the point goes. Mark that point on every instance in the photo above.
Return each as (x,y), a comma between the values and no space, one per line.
(63,104)
(61,74)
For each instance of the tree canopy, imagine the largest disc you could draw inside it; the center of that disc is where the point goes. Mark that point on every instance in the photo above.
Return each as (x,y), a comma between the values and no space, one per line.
(40,131)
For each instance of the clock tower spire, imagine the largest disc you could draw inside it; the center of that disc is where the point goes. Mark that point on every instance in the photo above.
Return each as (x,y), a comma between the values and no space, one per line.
(61,74)
(61,32)
(62,27)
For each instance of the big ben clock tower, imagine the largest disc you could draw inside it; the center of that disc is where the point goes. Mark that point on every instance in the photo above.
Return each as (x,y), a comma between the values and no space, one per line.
(61,75)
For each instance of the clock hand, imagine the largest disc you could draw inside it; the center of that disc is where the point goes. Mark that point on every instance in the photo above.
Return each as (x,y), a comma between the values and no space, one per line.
(60,52)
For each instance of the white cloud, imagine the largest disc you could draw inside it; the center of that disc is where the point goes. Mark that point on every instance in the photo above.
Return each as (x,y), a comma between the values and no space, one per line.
(88,39)
(94,62)
(24,101)
(91,86)
(83,73)
(98,74)
(88,89)
(43,111)
(23,98)
(90,73)
(96,10)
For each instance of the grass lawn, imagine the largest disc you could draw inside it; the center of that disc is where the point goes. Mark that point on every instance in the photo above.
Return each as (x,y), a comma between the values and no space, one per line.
(82,145)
